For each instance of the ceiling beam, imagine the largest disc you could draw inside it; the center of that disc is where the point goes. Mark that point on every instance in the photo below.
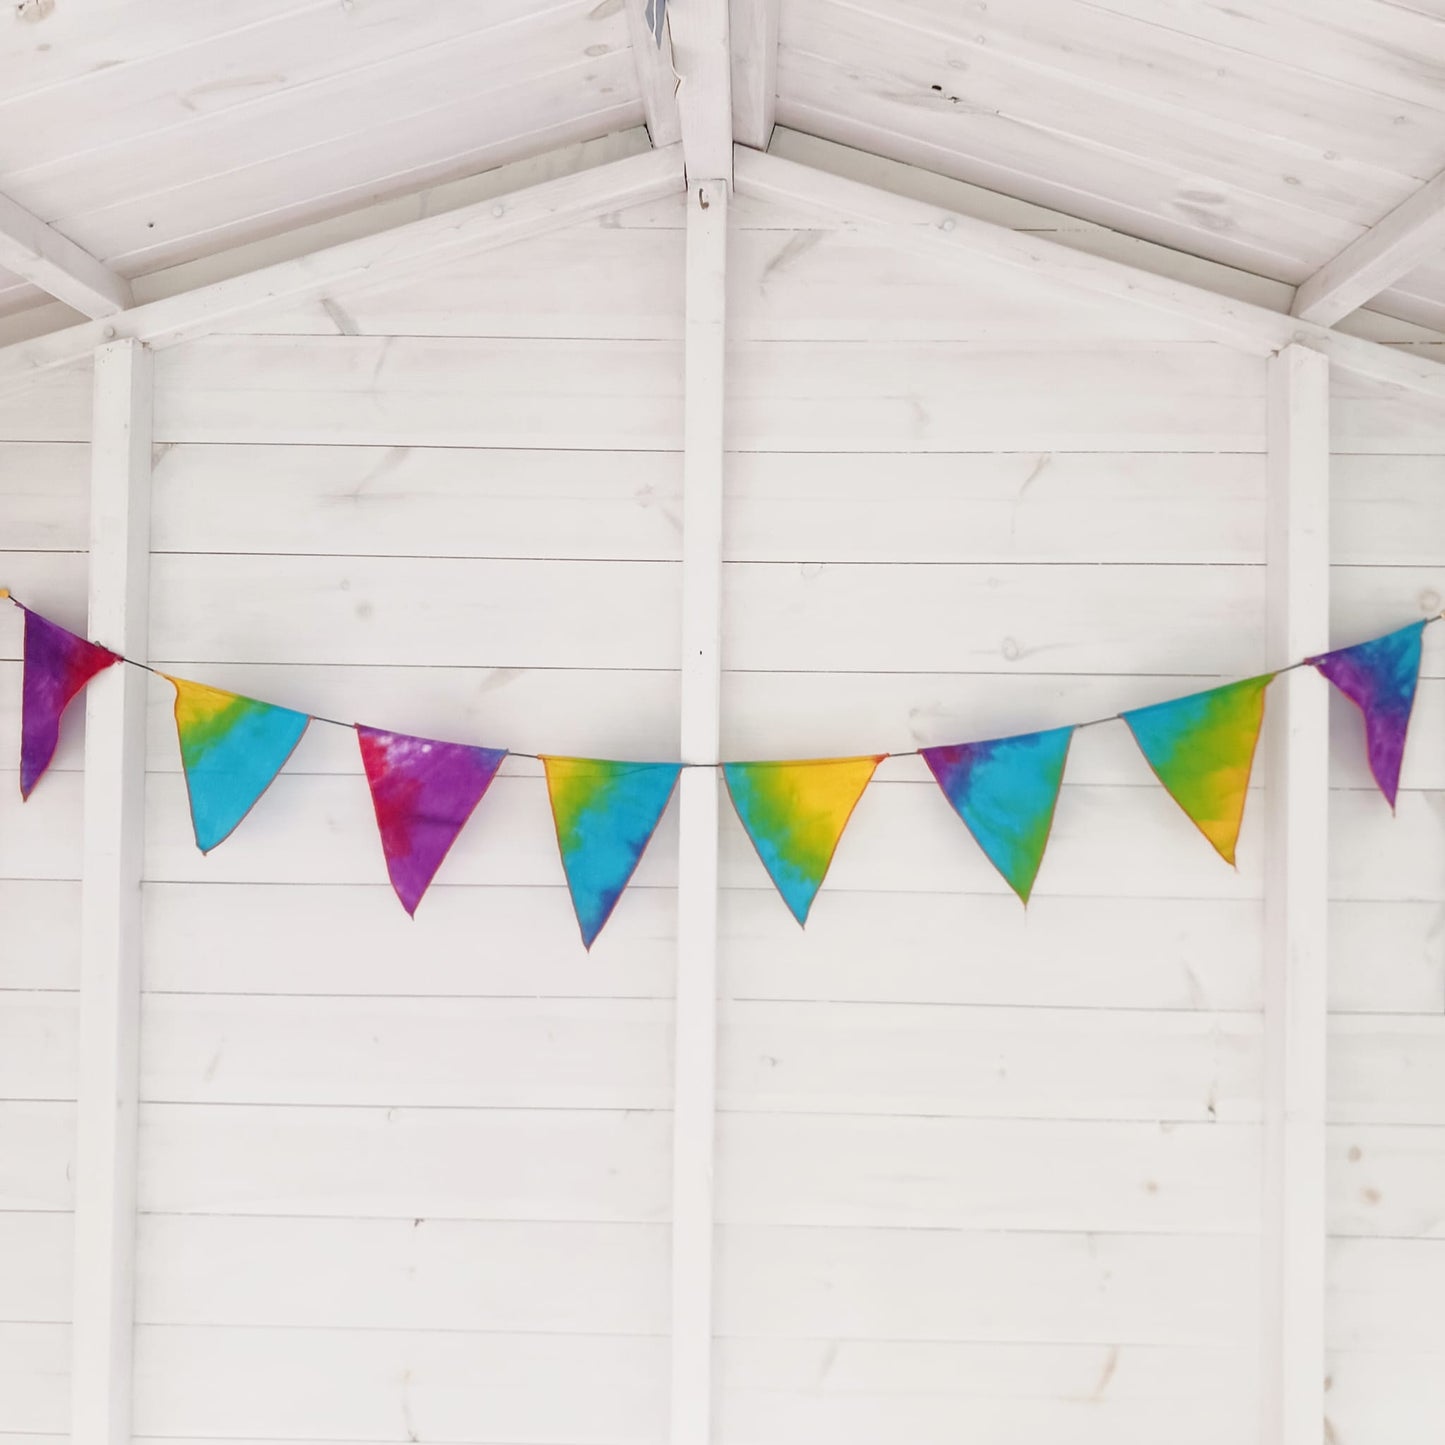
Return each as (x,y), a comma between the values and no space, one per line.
(41,255)
(935,231)
(655,78)
(701,53)
(755,70)
(366,261)
(1372,263)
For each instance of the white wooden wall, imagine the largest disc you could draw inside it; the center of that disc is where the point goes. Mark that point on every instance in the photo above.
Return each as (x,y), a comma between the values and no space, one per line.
(979,1172)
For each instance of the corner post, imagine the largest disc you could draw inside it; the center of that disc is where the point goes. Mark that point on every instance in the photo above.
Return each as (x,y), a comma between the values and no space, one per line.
(114,839)
(1296,902)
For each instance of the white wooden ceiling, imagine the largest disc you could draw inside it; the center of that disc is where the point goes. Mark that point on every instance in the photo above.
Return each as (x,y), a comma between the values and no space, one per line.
(156,131)
(1263,134)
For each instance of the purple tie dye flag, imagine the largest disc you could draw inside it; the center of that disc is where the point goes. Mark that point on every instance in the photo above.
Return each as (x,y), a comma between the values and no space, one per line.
(58,664)
(1380,678)
(424,792)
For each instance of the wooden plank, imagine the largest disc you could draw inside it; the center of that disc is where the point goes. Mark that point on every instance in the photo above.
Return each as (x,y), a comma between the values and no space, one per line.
(1019,1175)
(37,1155)
(36,1262)
(110,959)
(701,55)
(587,1166)
(656,79)
(754,32)
(1373,262)
(917,225)
(1296,896)
(555,1054)
(894,1059)
(365,1385)
(518,1277)
(40,254)
(786,1283)
(39,1059)
(468,230)
(936,1392)
(695,1049)
(34,1375)
(1385,1181)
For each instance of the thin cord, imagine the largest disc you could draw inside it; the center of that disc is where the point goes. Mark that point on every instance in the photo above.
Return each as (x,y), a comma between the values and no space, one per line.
(7,596)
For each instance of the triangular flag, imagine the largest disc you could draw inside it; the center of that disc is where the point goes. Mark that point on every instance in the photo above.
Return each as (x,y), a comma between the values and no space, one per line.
(795,814)
(605,814)
(232,747)
(1380,678)
(423,792)
(58,664)
(656,15)
(1201,748)
(1006,791)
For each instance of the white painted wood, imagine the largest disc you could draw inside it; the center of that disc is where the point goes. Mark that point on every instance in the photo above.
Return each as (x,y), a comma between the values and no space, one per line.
(40,254)
(705,367)
(701,55)
(1410,234)
(1296,895)
(469,230)
(656,78)
(915,225)
(110,899)
(754,32)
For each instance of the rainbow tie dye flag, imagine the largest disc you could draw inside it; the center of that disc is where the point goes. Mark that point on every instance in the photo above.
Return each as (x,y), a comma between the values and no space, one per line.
(423,792)
(1380,678)
(795,814)
(1202,748)
(58,664)
(605,814)
(232,747)
(1006,791)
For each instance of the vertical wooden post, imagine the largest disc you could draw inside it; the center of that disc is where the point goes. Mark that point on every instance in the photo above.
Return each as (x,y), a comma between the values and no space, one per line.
(1296,902)
(110,900)
(696,1030)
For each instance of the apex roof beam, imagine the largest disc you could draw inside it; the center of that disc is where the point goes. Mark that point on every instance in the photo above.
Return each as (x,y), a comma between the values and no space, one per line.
(41,255)
(366,261)
(655,78)
(1375,261)
(931,230)
(701,51)
(755,70)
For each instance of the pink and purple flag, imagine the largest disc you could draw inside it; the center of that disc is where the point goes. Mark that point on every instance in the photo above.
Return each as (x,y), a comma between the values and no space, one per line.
(232,747)
(1202,747)
(58,664)
(1006,792)
(605,814)
(795,814)
(1380,678)
(423,792)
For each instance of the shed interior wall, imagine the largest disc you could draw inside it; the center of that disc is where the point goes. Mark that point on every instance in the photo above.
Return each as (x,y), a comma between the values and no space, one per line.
(977,1170)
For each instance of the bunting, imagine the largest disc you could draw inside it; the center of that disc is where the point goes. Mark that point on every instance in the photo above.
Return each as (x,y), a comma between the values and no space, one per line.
(795,814)
(605,814)
(232,747)
(423,792)
(1201,747)
(1380,678)
(58,664)
(1006,791)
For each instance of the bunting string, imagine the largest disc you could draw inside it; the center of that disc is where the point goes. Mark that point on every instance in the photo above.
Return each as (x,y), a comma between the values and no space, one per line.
(1201,748)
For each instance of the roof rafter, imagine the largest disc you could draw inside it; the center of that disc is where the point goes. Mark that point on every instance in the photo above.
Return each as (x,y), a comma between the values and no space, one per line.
(702,55)
(41,255)
(935,231)
(1374,261)
(368,260)
(755,70)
